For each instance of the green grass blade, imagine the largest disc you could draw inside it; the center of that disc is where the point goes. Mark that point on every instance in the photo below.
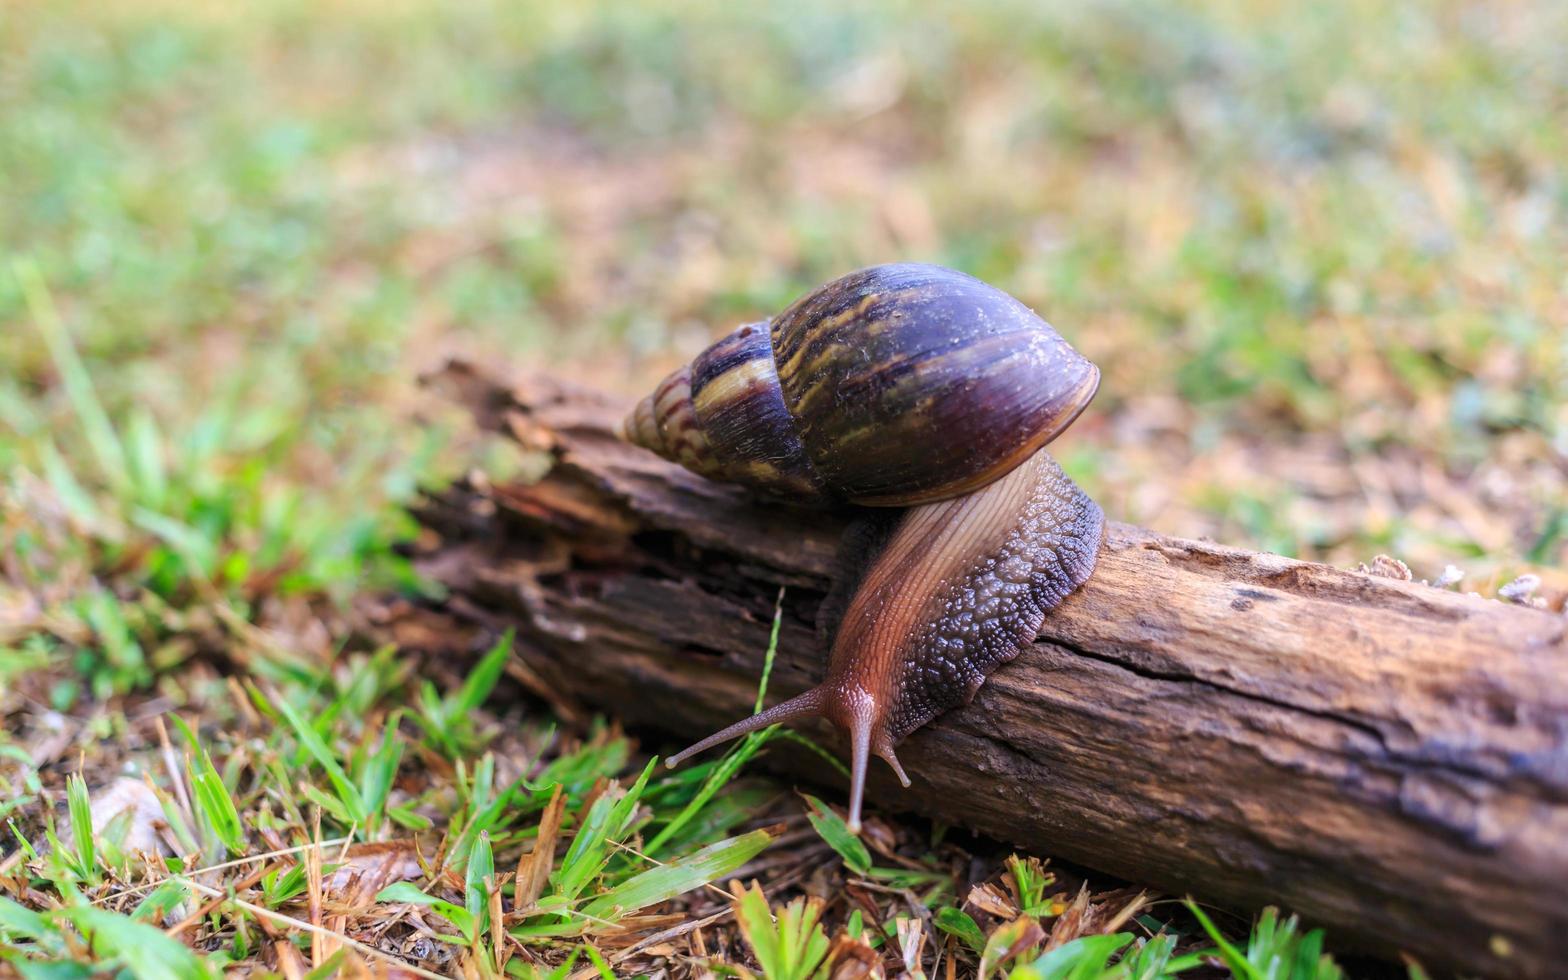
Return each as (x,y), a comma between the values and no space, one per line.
(80,805)
(313,743)
(957,922)
(743,752)
(329,804)
(278,888)
(678,877)
(772,650)
(1008,941)
(483,678)
(161,901)
(756,924)
(1307,961)
(79,389)
(330,967)
(625,809)
(1085,958)
(476,891)
(380,772)
(77,501)
(105,614)
(594,957)
(835,831)
(407,891)
(145,950)
(607,820)
(17,921)
(176,820)
(486,819)
(196,550)
(148,467)
(1232,957)
(1149,959)
(211,796)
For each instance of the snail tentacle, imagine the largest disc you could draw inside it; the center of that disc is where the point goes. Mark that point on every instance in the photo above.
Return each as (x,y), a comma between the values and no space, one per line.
(884,751)
(860,727)
(806,705)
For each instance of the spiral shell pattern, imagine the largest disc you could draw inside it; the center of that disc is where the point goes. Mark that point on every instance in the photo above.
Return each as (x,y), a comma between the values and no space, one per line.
(723,417)
(891,386)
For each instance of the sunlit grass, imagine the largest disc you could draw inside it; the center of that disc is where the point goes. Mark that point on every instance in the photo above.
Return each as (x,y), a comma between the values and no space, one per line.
(246,788)
(1338,223)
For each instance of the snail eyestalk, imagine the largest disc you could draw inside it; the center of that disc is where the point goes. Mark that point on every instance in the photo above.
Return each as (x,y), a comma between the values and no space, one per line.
(805,705)
(859,755)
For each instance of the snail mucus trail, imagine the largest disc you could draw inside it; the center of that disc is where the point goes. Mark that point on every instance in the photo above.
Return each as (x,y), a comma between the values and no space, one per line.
(900,386)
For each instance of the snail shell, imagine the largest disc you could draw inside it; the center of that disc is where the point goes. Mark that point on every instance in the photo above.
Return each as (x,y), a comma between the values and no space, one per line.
(905,386)
(891,386)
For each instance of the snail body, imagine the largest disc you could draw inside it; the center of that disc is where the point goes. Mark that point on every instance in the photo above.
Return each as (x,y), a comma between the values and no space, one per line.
(908,386)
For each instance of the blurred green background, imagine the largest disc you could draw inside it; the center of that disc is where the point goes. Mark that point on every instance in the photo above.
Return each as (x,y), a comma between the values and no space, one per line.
(1317,249)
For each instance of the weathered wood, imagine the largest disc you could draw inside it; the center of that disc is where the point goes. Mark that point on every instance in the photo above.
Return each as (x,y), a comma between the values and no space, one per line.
(1386,758)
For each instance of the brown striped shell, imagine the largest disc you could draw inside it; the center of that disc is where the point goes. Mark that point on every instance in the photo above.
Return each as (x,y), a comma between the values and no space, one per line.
(890,386)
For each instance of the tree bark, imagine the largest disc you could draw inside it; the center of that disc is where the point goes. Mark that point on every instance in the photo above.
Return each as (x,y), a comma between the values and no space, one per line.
(1387,758)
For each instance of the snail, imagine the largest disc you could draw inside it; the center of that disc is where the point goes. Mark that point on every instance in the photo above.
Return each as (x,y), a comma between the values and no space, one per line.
(899,386)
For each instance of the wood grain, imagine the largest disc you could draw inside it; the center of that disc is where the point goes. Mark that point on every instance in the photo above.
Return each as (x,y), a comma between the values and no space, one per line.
(1386,758)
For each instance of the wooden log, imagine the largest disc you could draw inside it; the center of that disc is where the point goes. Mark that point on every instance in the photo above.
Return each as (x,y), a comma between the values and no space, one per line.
(1387,758)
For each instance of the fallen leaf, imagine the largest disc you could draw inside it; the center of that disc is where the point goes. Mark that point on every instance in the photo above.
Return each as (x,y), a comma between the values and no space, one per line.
(912,943)
(990,899)
(368,868)
(1007,941)
(853,959)
(1072,922)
